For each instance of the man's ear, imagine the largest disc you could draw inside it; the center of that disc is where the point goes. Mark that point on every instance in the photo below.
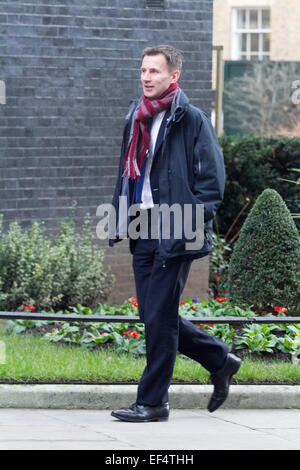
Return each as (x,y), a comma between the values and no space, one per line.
(175,76)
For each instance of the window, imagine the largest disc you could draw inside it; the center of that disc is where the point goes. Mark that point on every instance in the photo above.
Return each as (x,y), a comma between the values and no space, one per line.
(251,32)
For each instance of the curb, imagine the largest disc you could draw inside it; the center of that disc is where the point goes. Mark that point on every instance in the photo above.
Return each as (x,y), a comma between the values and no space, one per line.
(105,397)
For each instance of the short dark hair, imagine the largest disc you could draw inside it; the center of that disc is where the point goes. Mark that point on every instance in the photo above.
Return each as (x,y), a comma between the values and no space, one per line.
(172,55)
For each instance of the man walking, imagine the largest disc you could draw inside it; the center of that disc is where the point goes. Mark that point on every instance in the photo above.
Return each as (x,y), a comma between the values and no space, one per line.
(170,155)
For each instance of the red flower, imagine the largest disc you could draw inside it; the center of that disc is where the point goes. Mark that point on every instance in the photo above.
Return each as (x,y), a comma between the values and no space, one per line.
(280,309)
(30,307)
(194,308)
(134,334)
(135,304)
(181,303)
(200,324)
(221,299)
(132,299)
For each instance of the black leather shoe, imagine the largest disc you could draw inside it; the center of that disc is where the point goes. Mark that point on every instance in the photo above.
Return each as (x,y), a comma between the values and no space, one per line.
(142,413)
(221,381)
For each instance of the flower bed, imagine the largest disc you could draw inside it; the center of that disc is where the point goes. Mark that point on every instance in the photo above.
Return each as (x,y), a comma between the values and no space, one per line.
(259,340)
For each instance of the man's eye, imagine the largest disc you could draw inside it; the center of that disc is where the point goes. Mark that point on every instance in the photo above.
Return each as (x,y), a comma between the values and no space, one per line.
(150,71)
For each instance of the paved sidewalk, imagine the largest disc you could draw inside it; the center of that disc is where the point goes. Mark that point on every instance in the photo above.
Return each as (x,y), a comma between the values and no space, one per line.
(234,429)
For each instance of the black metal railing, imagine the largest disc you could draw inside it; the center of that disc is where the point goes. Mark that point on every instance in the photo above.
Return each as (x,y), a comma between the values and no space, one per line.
(135,319)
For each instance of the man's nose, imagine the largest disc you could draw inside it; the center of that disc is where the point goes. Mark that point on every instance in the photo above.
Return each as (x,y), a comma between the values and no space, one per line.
(146,76)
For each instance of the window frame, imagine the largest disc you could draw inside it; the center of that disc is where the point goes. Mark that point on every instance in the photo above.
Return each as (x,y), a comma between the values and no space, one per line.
(236,54)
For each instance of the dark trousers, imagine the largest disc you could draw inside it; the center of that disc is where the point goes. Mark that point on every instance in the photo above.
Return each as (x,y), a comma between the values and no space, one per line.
(158,292)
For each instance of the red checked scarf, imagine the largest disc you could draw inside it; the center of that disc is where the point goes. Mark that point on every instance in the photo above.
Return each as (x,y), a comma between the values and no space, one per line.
(135,154)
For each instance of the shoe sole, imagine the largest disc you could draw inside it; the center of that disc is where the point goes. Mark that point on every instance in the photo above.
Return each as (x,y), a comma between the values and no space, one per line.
(238,365)
(236,370)
(132,420)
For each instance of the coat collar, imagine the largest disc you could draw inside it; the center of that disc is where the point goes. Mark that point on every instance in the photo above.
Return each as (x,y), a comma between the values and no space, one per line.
(179,107)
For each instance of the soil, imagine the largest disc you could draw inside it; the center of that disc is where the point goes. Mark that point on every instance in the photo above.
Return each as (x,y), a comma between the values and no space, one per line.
(174,382)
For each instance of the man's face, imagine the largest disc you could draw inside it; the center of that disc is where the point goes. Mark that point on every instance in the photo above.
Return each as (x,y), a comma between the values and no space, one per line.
(155,76)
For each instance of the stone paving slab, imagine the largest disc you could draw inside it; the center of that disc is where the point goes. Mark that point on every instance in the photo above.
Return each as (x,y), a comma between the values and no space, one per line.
(225,429)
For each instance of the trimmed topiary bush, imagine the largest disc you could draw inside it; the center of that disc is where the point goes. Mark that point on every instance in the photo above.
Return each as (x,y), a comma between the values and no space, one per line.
(264,265)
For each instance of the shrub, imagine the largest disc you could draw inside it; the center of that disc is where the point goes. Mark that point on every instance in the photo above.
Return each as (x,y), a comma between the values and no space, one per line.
(50,273)
(264,265)
(254,164)
(218,265)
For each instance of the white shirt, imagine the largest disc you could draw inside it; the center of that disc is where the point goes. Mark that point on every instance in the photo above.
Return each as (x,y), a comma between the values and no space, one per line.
(147,200)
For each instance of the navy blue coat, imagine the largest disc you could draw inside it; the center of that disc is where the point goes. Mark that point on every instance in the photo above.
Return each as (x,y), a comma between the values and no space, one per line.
(191,171)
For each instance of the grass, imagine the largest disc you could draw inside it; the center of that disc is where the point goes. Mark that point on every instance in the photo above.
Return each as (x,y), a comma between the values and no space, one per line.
(32,359)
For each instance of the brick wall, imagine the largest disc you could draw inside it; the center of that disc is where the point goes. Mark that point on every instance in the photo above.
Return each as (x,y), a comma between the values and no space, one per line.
(70,70)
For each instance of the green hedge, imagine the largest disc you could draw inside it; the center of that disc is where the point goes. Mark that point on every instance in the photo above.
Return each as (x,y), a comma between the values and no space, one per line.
(51,273)
(252,165)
